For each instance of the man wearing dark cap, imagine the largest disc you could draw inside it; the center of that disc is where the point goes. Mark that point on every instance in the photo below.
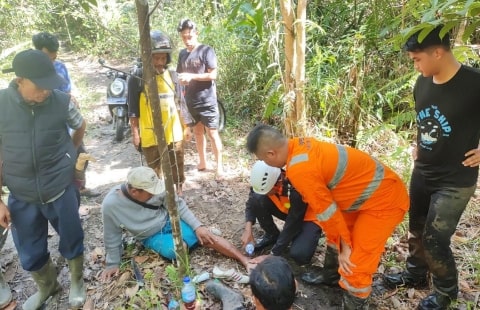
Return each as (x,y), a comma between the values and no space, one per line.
(38,167)
(447,156)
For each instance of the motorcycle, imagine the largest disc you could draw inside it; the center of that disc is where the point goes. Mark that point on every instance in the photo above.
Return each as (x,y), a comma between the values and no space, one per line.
(117,97)
(117,101)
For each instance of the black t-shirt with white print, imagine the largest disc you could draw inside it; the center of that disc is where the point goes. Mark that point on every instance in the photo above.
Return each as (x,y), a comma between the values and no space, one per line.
(448,126)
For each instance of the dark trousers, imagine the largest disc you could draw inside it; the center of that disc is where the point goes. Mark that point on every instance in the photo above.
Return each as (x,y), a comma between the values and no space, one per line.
(30,228)
(304,243)
(434,214)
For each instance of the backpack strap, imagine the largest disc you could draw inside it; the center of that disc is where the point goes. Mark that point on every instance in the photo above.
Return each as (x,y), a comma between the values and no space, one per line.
(123,187)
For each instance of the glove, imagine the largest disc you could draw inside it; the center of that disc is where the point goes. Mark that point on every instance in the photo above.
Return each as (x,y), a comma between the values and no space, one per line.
(82,160)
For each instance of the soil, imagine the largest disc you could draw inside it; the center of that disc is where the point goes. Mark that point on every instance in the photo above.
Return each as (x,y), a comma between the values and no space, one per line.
(218,204)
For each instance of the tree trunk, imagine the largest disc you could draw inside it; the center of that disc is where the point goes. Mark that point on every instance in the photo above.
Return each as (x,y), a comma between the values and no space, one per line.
(152,91)
(294,78)
(300,40)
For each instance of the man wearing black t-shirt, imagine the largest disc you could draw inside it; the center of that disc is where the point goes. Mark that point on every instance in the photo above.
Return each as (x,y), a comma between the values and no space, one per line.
(197,70)
(444,177)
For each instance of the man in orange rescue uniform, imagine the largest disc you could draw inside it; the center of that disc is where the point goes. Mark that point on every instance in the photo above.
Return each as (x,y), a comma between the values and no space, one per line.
(358,201)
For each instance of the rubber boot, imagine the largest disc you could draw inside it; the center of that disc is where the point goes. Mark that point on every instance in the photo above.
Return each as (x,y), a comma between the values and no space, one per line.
(46,280)
(5,293)
(78,294)
(445,291)
(406,278)
(350,302)
(231,300)
(329,274)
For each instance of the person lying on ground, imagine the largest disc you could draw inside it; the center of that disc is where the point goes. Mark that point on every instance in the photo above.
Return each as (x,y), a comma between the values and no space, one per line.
(138,207)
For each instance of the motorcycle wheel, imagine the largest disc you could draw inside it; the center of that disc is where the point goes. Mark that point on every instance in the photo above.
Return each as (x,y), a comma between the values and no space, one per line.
(119,129)
(222,119)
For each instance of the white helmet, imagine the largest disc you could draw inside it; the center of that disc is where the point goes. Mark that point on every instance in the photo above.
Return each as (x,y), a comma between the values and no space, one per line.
(263,177)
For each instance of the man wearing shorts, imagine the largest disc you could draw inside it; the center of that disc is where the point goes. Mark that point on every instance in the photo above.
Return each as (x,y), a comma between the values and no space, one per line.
(138,207)
(197,68)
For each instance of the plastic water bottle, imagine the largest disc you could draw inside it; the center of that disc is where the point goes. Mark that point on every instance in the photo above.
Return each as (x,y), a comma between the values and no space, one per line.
(188,294)
(249,248)
(173,305)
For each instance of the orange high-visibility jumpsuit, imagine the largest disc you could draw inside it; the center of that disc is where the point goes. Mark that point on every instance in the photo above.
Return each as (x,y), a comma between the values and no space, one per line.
(282,203)
(354,196)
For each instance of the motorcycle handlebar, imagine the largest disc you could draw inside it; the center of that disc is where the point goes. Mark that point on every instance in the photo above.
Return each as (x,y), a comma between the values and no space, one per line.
(102,63)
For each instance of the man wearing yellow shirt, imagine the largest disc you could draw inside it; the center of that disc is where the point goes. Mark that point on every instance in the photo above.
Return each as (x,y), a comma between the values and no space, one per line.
(174,118)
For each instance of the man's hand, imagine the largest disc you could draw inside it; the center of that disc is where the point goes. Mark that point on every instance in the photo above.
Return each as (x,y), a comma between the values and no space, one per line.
(136,141)
(258,259)
(109,273)
(185,78)
(187,134)
(247,235)
(344,258)
(473,158)
(4,215)
(204,236)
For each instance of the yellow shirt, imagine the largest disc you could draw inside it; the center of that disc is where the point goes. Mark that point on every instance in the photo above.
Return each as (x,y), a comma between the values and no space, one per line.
(170,118)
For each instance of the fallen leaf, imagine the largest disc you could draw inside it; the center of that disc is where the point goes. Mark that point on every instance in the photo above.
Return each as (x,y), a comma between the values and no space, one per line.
(411,293)
(396,302)
(140,259)
(132,291)
(88,305)
(126,276)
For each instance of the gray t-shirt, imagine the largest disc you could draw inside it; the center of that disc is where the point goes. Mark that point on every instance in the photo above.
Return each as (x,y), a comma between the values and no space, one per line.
(119,213)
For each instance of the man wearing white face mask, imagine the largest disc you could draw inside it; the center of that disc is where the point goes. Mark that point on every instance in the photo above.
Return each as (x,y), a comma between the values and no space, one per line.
(138,207)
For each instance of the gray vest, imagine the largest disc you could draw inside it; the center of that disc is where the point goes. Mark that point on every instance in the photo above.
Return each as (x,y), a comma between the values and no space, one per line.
(37,151)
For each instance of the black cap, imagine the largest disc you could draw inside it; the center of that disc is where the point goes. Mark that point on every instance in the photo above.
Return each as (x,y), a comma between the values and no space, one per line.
(36,66)
(432,39)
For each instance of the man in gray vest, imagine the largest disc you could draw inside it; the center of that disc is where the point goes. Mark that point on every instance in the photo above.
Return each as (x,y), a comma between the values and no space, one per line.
(38,157)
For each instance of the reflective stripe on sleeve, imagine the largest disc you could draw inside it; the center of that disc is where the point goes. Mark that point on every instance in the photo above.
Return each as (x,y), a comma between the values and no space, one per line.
(328,213)
(370,189)
(341,167)
(298,159)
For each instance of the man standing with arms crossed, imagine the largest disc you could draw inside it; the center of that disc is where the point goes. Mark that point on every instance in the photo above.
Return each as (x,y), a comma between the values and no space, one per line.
(197,68)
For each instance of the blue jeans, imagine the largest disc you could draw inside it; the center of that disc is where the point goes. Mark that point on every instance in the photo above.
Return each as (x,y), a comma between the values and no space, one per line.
(30,228)
(162,241)
(434,214)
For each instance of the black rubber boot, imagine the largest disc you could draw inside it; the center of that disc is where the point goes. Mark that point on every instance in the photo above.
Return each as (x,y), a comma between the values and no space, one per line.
(446,290)
(350,302)
(230,299)
(329,274)
(405,278)
(435,301)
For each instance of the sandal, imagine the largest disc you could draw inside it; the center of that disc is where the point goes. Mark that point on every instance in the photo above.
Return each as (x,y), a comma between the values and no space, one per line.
(230,275)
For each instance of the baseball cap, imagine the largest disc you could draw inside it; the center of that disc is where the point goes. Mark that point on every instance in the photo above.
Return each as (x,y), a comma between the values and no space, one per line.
(432,39)
(36,66)
(145,178)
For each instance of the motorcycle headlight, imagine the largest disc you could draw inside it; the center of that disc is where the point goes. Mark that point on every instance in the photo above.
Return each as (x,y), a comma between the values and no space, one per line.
(117,87)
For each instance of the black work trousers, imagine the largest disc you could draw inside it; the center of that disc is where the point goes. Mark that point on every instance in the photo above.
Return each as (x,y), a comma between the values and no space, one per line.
(434,214)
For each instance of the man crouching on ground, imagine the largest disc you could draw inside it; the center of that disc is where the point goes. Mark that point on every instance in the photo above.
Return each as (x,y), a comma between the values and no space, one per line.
(138,207)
